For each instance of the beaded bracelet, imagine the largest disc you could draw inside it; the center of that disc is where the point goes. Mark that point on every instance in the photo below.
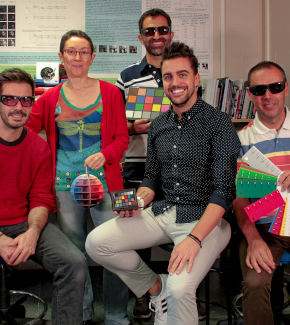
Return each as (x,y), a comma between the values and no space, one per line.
(195,239)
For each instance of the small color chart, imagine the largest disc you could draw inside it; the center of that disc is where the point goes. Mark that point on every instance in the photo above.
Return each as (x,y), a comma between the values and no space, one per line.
(146,103)
(124,200)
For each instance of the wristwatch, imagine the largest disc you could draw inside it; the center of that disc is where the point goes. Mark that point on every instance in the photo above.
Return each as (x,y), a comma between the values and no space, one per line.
(141,201)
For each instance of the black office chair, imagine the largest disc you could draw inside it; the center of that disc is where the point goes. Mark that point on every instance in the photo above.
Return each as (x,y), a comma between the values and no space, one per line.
(14,314)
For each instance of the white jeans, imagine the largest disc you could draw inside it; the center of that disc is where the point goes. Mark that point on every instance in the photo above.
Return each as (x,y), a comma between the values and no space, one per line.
(113,245)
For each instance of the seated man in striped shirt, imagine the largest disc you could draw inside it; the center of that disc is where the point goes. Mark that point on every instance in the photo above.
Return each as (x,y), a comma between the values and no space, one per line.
(260,251)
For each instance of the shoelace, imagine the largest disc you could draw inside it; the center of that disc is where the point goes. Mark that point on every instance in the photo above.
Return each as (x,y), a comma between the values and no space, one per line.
(152,307)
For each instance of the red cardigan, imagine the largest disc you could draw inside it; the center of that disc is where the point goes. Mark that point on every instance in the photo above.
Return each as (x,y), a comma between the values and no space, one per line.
(114,131)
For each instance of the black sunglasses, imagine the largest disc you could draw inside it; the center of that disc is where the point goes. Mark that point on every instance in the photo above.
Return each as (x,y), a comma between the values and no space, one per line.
(26,101)
(150,31)
(274,88)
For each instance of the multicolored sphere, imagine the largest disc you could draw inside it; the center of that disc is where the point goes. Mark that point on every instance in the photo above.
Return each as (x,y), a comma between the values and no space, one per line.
(87,190)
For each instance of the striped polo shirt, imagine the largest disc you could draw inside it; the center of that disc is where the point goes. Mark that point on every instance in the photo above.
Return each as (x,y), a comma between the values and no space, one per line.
(275,145)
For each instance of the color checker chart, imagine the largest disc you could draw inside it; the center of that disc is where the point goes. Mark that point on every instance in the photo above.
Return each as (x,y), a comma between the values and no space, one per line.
(124,200)
(147,103)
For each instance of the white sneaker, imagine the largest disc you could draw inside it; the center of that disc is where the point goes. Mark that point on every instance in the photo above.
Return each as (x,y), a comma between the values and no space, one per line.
(158,304)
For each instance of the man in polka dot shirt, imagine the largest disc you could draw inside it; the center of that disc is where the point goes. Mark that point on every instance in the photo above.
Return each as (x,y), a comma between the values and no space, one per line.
(261,251)
(193,148)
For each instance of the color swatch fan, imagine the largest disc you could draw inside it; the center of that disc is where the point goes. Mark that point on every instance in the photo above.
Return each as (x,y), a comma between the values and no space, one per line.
(252,183)
(259,180)
(87,190)
(146,103)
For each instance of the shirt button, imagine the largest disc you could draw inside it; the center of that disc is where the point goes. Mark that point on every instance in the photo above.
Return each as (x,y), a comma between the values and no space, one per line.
(168,206)
(174,146)
(158,80)
(154,72)
(149,65)
(177,199)
(164,209)
(177,184)
(189,117)
(174,165)
(179,126)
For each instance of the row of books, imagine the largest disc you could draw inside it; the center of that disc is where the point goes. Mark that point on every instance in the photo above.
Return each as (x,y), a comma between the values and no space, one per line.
(228,96)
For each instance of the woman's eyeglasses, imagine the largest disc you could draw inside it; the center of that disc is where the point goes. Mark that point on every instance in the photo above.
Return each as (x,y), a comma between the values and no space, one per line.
(73,53)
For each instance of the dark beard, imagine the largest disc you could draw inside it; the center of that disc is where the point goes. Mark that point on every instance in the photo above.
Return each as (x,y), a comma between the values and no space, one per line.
(155,51)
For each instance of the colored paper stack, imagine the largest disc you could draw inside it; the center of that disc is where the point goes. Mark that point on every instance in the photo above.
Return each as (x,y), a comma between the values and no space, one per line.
(262,185)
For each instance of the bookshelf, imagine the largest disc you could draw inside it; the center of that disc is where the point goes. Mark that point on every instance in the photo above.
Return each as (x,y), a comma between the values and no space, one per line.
(244,120)
(240,123)
(229,96)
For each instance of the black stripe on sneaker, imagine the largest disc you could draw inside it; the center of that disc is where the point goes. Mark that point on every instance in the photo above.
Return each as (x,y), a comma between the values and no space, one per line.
(164,306)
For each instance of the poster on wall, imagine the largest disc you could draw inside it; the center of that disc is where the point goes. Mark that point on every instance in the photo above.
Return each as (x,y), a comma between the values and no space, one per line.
(113,27)
(192,23)
(114,30)
(30,31)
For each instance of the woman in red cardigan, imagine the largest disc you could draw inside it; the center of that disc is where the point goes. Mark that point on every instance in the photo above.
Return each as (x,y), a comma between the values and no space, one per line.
(85,124)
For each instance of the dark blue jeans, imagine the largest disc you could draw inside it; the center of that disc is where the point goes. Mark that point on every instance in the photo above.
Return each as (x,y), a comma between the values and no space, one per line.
(72,220)
(56,253)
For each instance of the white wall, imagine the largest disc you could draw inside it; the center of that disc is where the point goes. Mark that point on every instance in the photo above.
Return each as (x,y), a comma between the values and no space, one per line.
(244,36)
(280,35)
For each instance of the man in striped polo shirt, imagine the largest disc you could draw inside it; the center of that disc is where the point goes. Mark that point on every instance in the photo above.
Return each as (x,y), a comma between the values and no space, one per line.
(155,35)
(260,251)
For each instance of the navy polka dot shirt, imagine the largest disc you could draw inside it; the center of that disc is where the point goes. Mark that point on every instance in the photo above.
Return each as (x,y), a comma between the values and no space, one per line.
(196,159)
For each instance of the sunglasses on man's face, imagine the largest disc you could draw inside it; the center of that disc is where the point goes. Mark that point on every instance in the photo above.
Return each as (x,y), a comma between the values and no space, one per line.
(150,31)
(26,101)
(274,88)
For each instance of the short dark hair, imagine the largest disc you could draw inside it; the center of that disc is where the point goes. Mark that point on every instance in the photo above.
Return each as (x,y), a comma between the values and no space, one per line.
(16,75)
(78,33)
(153,13)
(180,50)
(266,65)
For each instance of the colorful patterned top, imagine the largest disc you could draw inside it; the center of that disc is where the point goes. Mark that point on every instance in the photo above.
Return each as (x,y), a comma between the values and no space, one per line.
(79,136)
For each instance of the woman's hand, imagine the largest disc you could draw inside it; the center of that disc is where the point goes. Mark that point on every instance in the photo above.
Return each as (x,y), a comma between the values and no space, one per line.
(95,161)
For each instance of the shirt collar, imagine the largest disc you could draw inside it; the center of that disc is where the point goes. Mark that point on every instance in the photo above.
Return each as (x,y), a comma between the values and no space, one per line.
(262,129)
(16,142)
(191,112)
(143,64)
(286,124)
